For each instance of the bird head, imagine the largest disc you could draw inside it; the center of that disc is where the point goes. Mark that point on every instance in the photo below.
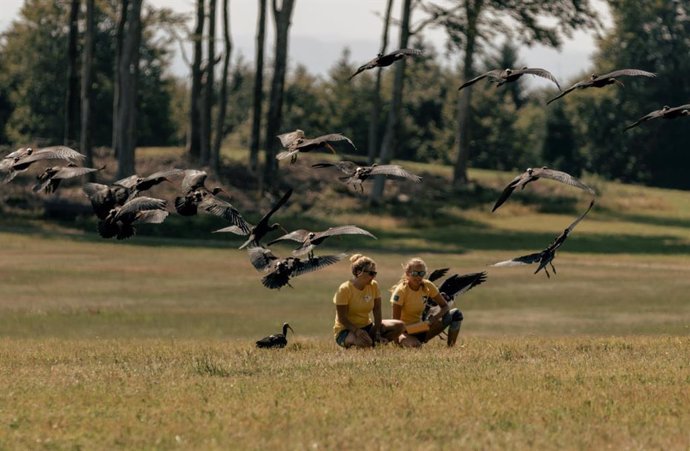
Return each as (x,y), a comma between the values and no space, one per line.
(530,171)
(508,71)
(286,326)
(666,107)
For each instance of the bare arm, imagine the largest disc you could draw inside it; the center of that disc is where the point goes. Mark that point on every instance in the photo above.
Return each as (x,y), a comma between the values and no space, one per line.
(397,311)
(376,331)
(441,301)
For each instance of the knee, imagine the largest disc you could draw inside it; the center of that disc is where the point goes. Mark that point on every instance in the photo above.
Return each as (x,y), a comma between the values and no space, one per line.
(409,342)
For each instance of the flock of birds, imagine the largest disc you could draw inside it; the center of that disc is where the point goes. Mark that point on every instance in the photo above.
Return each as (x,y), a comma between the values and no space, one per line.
(121,205)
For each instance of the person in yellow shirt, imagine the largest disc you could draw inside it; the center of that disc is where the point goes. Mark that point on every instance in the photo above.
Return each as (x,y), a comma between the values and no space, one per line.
(354,301)
(409,299)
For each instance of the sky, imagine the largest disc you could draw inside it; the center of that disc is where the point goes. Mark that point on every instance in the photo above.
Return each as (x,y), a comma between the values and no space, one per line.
(322,28)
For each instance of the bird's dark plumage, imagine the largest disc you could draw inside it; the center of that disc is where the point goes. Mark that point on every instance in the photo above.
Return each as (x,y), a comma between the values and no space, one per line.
(386,60)
(356,174)
(501,77)
(599,81)
(275,341)
(546,256)
(309,240)
(665,113)
(257,232)
(280,271)
(533,174)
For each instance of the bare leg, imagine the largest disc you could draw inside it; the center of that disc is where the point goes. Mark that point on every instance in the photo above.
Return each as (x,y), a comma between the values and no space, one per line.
(408,341)
(391,329)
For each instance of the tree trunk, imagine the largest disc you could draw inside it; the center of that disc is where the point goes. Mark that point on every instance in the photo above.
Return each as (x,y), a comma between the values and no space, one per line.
(390,141)
(194,127)
(86,91)
(116,73)
(258,89)
(220,123)
(376,106)
(462,135)
(209,85)
(72,95)
(129,73)
(282,25)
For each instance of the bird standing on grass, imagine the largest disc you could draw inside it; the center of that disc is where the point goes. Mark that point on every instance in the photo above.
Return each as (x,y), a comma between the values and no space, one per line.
(275,341)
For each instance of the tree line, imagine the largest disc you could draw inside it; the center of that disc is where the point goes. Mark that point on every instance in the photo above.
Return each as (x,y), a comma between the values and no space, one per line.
(96,73)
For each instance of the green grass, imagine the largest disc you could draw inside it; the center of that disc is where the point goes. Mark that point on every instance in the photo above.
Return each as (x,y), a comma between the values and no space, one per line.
(149,343)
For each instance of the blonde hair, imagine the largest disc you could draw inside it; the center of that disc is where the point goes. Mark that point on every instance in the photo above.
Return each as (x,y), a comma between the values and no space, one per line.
(415,261)
(361,263)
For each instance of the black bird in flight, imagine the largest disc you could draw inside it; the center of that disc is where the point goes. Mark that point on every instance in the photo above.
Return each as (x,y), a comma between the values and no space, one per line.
(120,220)
(356,174)
(309,240)
(197,197)
(275,341)
(382,60)
(280,271)
(452,287)
(295,142)
(546,256)
(50,178)
(666,112)
(257,232)
(501,77)
(533,174)
(599,81)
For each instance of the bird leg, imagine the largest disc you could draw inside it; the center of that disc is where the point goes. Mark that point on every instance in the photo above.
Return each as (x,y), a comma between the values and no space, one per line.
(552,267)
(330,148)
(619,83)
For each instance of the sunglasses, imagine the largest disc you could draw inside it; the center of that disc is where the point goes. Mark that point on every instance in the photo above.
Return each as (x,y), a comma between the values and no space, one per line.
(418,273)
(371,273)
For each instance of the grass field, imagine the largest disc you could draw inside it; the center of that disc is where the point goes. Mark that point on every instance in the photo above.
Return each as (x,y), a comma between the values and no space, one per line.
(149,343)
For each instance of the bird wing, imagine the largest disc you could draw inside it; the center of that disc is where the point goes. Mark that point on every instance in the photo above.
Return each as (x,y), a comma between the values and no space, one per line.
(290,138)
(346,167)
(395,171)
(404,52)
(539,73)
(628,72)
(48,153)
(323,139)
(653,115)
(226,210)
(276,279)
(193,179)
(508,190)
(261,258)
(151,216)
(312,264)
(677,108)
(128,182)
(68,172)
(96,192)
(562,177)
(296,235)
(140,204)
(496,73)
(567,91)
(232,229)
(342,230)
(368,65)
(560,239)
(457,284)
(437,274)
(286,154)
(524,260)
(275,208)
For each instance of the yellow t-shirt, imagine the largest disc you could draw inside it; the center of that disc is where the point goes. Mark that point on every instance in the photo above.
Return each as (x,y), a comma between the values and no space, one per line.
(411,301)
(360,304)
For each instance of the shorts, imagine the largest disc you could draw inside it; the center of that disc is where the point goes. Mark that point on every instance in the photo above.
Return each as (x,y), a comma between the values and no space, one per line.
(342,335)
